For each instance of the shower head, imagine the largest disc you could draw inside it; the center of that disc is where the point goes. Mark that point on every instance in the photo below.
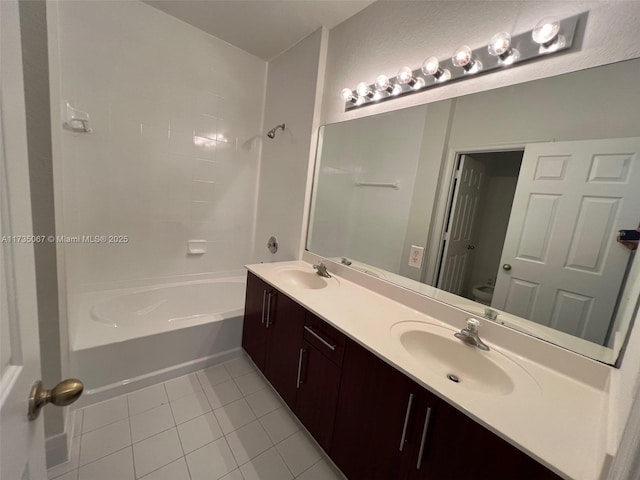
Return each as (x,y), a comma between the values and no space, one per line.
(272,133)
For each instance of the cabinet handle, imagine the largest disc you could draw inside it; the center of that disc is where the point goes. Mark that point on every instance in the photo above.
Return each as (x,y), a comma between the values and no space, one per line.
(269,295)
(425,429)
(264,300)
(403,439)
(310,330)
(299,379)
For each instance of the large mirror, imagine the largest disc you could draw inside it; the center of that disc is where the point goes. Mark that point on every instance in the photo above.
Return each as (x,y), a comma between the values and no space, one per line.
(506,203)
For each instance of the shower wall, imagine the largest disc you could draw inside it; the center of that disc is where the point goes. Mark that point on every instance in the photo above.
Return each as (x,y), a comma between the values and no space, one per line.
(176,116)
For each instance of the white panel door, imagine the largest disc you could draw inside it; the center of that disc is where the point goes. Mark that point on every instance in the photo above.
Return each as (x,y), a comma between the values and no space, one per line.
(21,441)
(458,248)
(566,266)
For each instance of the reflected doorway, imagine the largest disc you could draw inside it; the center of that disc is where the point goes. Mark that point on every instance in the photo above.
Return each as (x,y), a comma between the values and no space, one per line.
(484,186)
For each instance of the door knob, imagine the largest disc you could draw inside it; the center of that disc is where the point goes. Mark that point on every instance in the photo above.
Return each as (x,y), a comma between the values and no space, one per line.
(506,266)
(64,393)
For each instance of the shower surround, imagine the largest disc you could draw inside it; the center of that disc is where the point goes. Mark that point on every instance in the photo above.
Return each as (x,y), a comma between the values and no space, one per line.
(173,154)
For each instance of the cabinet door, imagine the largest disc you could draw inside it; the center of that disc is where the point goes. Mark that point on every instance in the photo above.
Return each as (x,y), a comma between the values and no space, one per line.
(284,326)
(458,448)
(376,406)
(317,394)
(254,333)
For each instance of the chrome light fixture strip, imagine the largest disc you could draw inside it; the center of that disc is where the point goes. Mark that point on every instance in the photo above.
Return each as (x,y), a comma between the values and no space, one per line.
(526,47)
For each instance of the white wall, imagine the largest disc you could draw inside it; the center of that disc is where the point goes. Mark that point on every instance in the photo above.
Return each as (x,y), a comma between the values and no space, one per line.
(367,223)
(284,168)
(172,157)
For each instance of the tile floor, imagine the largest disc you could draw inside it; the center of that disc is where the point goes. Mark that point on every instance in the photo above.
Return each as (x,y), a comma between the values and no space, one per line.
(224,422)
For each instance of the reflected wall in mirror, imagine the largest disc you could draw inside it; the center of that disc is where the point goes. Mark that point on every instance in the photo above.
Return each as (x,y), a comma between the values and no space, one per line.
(505,203)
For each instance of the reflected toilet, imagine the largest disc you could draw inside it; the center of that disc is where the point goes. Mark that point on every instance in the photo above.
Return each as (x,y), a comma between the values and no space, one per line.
(482,293)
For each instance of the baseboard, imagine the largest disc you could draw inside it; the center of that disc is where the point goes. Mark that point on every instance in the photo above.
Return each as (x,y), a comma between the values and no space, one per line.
(113,390)
(57,449)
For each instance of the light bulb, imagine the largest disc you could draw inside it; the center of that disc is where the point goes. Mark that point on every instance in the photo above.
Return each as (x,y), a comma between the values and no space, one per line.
(383,83)
(463,58)
(431,66)
(363,90)
(500,46)
(347,95)
(546,31)
(405,75)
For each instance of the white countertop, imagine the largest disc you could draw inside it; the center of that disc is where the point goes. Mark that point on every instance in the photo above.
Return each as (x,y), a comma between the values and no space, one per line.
(561,421)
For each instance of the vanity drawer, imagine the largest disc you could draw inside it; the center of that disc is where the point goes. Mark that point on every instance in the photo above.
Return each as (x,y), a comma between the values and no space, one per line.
(329,341)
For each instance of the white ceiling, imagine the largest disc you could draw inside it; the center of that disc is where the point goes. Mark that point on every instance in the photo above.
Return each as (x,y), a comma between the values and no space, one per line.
(264,28)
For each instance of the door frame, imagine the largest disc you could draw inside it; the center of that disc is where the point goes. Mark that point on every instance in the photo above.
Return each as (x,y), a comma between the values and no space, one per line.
(444,196)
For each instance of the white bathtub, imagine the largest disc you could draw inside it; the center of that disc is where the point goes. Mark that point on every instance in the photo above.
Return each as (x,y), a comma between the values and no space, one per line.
(127,338)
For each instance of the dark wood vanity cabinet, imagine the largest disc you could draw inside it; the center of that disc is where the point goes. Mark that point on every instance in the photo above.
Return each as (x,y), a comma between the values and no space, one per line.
(321,358)
(388,427)
(254,332)
(299,353)
(458,448)
(272,334)
(374,417)
(374,421)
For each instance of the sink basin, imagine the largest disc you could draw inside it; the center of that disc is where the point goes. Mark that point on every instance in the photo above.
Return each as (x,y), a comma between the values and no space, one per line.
(301,278)
(436,350)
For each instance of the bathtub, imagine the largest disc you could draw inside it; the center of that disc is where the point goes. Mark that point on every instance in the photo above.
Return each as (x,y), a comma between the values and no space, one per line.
(127,338)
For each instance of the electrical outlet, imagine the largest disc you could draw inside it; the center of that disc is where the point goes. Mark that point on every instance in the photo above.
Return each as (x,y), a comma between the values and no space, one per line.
(415,256)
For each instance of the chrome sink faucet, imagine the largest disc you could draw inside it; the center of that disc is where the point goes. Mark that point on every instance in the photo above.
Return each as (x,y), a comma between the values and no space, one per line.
(321,269)
(469,335)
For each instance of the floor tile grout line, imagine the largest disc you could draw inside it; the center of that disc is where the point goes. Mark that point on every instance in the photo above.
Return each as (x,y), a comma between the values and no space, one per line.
(63,474)
(282,458)
(188,469)
(146,409)
(102,426)
(232,454)
(173,415)
(184,453)
(105,456)
(133,455)
(80,446)
(162,466)
(268,448)
(81,422)
(204,391)
(312,465)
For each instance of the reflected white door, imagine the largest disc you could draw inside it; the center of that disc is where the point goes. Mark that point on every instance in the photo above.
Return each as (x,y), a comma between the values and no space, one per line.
(565,265)
(460,228)
(21,441)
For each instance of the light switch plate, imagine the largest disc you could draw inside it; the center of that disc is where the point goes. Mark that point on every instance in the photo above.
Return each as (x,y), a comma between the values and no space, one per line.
(415,256)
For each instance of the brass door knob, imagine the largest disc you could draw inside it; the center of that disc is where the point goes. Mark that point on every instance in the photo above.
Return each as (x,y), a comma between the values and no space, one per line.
(64,393)
(506,266)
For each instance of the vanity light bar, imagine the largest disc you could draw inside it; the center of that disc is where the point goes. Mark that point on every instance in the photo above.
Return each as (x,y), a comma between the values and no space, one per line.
(549,36)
